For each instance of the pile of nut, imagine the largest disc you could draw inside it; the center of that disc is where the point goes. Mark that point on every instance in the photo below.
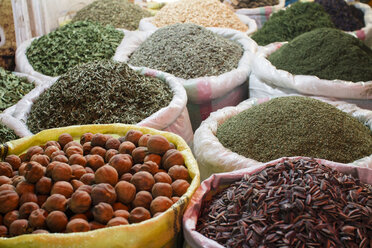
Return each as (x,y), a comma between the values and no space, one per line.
(67,186)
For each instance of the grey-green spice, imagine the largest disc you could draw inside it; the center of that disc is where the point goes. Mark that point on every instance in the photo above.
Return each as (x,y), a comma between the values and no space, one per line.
(75,43)
(118,13)
(188,51)
(6,134)
(99,92)
(296,126)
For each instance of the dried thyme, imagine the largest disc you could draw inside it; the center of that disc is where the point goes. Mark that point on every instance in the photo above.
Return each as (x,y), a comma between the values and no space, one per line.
(99,92)
(75,43)
(296,126)
(6,134)
(12,88)
(239,4)
(118,13)
(188,51)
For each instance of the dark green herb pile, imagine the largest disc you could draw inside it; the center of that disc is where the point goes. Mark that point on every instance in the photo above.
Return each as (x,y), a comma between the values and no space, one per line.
(285,25)
(326,53)
(296,126)
(118,13)
(12,88)
(239,4)
(75,43)
(188,51)
(6,134)
(99,92)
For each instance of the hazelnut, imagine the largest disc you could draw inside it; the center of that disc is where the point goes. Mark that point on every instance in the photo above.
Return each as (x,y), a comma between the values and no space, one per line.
(172,157)
(5,180)
(117,221)
(56,221)
(55,202)
(133,136)
(76,184)
(87,137)
(139,214)
(77,225)
(22,157)
(79,216)
(32,151)
(40,231)
(9,200)
(149,166)
(135,168)
(37,218)
(126,147)
(99,139)
(178,172)
(50,168)
(142,199)
(18,227)
(14,161)
(62,187)
(87,178)
(74,150)
(119,206)
(103,192)
(106,174)
(77,159)
(86,188)
(112,143)
(87,147)
(53,143)
(94,225)
(89,170)
(160,204)
(15,173)
(41,199)
(109,154)
(7,187)
(103,212)
(162,177)
(162,189)
(60,158)
(33,172)
(157,214)
(139,154)
(70,144)
(17,179)
(175,199)
(154,158)
(95,161)
(3,231)
(121,213)
(122,163)
(143,180)
(143,140)
(126,177)
(41,159)
(57,153)
(180,187)
(77,171)
(125,192)
(157,144)
(26,209)
(64,138)
(62,172)
(21,169)
(10,217)
(6,169)
(27,197)
(1,219)
(80,202)
(172,146)
(43,186)
(98,151)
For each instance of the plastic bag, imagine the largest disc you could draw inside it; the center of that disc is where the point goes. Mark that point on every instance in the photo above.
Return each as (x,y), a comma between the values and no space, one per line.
(160,231)
(213,157)
(213,183)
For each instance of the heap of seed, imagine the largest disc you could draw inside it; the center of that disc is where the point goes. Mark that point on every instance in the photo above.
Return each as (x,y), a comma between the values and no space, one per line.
(295,203)
(207,13)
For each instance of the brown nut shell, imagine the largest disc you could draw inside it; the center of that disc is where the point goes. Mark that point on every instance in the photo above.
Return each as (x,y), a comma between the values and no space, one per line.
(57,221)
(41,159)
(126,147)
(32,151)
(77,225)
(143,180)
(94,225)
(154,158)
(133,136)
(27,197)
(77,159)
(160,204)
(64,138)
(9,200)
(121,213)
(26,209)
(87,178)
(77,171)
(76,184)
(55,202)
(99,139)
(50,150)
(103,192)
(70,144)
(157,144)
(60,158)
(14,161)
(149,166)
(162,177)
(180,187)
(37,218)
(178,172)
(172,157)
(87,137)
(95,161)
(119,206)
(6,169)
(87,147)
(97,150)
(18,227)
(79,202)
(143,140)
(62,187)
(10,217)
(139,214)
(110,153)
(112,143)
(106,174)
(122,163)
(139,154)
(117,221)
(40,231)
(142,199)
(52,143)
(162,189)
(43,186)
(3,231)
(125,192)
(126,177)
(5,180)
(103,212)
(62,172)
(33,172)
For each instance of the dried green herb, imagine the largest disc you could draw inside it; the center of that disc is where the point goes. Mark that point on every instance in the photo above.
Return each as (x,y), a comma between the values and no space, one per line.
(287,24)
(326,53)
(99,92)
(239,4)
(118,13)
(296,126)
(188,51)
(75,43)
(6,134)
(12,88)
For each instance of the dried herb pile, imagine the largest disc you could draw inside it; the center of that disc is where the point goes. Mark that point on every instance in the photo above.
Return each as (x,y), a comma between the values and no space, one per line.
(297,203)
(326,53)
(344,16)
(287,24)
(12,88)
(239,4)
(188,51)
(99,92)
(207,13)
(75,43)
(296,126)
(118,13)
(6,134)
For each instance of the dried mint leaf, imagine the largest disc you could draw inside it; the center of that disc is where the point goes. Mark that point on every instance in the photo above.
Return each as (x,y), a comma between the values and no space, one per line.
(6,134)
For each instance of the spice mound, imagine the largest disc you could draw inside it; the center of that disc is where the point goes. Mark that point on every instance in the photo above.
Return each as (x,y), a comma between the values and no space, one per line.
(344,16)
(118,13)
(12,88)
(99,92)
(207,13)
(296,126)
(287,24)
(188,51)
(334,55)
(6,134)
(75,43)
(295,203)
(239,4)
(69,186)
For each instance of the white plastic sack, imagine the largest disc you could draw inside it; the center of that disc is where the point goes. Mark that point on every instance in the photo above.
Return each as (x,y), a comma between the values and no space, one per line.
(269,82)
(173,118)
(213,157)
(365,33)
(147,25)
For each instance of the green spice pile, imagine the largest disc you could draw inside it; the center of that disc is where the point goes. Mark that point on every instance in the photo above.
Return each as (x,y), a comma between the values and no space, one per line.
(326,53)
(118,13)
(75,43)
(6,134)
(239,4)
(188,51)
(285,25)
(296,126)
(12,88)
(99,92)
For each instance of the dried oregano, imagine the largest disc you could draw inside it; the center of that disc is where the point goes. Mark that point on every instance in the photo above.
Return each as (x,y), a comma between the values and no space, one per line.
(118,13)
(188,51)
(296,126)
(238,4)
(99,92)
(12,88)
(75,43)
(6,134)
